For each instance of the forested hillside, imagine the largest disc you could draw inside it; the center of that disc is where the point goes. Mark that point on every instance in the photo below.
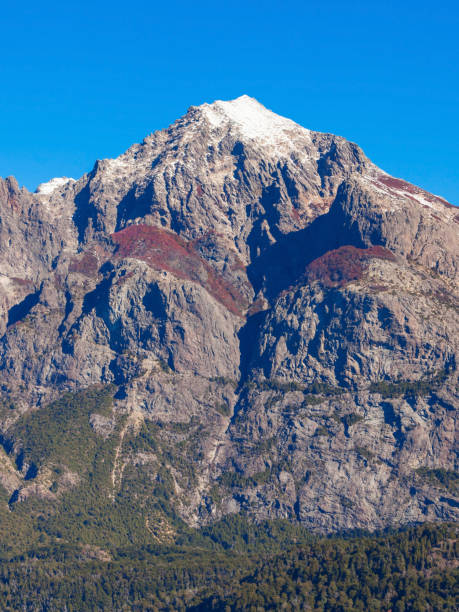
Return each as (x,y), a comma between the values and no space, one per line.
(237,566)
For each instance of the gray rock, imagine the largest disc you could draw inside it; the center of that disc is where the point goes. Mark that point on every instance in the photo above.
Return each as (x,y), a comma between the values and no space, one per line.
(282,310)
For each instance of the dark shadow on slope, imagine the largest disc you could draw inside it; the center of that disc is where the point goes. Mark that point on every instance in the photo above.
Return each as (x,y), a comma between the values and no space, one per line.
(270,198)
(20,458)
(155,302)
(6,443)
(393,420)
(451,502)
(131,206)
(85,211)
(20,311)
(248,337)
(270,203)
(32,472)
(282,264)
(68,310)
(239,161)
(14,497)
(98,298)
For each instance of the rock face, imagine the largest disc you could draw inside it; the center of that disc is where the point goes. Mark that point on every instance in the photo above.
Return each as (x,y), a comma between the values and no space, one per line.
(280,312)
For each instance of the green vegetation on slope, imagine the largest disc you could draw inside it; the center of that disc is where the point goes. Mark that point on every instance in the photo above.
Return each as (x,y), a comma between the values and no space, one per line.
(413,570)
(447,479)
(61,431)
(424,386)
(83,500)
(105,543)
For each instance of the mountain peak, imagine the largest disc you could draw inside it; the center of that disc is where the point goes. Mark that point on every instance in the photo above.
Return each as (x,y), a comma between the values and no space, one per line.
(250,295)
(55,183)
(250,119)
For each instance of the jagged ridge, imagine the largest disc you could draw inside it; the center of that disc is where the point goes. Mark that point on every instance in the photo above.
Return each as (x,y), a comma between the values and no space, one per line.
(249,287)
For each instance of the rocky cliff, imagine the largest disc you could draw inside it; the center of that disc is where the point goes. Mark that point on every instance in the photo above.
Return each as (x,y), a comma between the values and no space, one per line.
(272,317)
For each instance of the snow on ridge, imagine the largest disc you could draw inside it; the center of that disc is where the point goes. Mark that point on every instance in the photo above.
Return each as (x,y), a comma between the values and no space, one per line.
(251,119)
(244,115)
(52,185)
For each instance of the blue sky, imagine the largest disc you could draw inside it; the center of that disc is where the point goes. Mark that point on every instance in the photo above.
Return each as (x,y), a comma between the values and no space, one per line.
(84,80)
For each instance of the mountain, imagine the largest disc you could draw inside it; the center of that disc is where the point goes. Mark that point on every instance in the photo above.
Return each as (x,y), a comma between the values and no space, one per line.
(237,315)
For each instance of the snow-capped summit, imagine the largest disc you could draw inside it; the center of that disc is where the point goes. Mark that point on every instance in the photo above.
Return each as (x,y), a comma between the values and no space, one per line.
(297,294)
(250,118)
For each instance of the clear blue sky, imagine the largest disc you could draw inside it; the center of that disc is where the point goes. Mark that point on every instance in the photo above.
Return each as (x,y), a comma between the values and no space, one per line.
(84,80)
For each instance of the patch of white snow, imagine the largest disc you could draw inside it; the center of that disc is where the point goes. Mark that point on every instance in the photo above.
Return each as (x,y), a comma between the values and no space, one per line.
(52,185)
(252,120)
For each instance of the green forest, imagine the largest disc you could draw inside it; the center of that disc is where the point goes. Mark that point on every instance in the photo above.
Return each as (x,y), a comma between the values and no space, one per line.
(86,546)
(234,565)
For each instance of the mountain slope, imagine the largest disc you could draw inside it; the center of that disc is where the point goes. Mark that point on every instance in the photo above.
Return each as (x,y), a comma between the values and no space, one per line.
(274,317)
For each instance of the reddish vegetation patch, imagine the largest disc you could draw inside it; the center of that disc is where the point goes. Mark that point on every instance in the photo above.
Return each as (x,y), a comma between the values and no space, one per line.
(408,188)
(341,266)
(163,250)
(87,264)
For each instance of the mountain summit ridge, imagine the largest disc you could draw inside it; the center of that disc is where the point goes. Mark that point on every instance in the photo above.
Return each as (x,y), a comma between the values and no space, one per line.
(251,119)
(248,119)
(273,315)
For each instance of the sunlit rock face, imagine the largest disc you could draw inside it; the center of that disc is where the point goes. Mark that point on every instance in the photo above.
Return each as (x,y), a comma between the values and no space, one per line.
(280,309)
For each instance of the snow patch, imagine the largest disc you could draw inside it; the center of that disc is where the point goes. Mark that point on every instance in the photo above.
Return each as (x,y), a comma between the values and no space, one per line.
(245,118)
(53,184)
(252,120)
(121,163)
